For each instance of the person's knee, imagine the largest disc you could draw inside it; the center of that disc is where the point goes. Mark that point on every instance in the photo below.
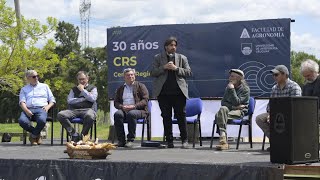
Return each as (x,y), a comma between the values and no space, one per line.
(61,116)
(131,115)
(224,109)
(260,119)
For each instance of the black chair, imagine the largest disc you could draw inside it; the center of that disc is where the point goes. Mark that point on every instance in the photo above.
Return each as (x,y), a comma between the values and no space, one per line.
(193,114)
(143,121)
(246,120)
(50,118)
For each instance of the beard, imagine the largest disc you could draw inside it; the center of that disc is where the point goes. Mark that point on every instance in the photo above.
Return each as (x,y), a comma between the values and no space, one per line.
(310,81)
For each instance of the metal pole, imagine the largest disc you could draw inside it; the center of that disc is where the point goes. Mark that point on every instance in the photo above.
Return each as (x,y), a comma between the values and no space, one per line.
(18,16)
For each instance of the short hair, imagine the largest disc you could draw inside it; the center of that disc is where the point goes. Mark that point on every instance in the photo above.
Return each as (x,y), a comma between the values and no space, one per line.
(82,72)
(310,65)
(169,41)
(128,70)
(29,72)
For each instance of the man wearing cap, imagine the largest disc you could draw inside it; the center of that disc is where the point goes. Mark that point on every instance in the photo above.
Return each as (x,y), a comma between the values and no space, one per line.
(234,104)
(284,87)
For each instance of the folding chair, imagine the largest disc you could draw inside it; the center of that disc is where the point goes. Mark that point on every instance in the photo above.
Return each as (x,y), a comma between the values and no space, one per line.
(193,114)
(50,118)
(246,120)
(143,121)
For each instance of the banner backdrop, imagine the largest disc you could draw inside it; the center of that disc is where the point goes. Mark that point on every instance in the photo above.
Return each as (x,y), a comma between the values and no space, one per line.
(212,49)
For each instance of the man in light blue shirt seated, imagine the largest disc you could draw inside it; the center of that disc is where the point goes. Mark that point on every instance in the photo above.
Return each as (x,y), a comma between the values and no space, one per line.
(35,99)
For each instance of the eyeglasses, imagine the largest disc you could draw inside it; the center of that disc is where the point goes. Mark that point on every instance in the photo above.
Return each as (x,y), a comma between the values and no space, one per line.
(275,75)
(36,76)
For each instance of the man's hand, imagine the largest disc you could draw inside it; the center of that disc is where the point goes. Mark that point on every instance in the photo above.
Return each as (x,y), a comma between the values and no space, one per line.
(240,107)
(29,113)
(128,108)
(170,66)
(230,85)
(46,108)
(80,87)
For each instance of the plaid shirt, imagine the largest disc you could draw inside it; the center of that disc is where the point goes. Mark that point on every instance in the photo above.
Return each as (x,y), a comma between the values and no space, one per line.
(290,89)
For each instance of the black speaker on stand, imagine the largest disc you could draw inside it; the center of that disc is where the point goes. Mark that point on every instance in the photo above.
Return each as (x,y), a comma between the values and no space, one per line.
(294,130)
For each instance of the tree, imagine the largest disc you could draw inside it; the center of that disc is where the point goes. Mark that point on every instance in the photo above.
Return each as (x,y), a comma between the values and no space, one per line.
(296,59)
(18,55)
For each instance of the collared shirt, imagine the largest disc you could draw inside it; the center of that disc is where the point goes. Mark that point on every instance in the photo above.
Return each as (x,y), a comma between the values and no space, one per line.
(36,96)
(127,96)
(89,96)
(290,89)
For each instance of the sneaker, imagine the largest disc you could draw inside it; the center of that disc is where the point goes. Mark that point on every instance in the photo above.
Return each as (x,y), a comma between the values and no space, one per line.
(185,145)
(33,141)
(129,144)
(223,144)
(170,145)
(39,140)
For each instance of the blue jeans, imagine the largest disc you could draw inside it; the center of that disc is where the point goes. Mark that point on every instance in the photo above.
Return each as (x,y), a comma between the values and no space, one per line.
(39,116)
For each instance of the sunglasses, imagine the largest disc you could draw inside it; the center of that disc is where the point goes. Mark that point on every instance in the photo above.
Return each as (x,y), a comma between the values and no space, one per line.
(36,76)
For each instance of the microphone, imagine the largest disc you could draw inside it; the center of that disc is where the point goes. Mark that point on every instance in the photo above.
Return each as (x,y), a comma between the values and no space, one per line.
(171,57)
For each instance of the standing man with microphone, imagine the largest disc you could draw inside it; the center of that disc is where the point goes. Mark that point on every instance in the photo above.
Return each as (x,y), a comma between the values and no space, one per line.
(170,70)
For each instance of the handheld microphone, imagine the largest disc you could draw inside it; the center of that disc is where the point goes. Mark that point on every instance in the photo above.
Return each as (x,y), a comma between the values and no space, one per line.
(171,57)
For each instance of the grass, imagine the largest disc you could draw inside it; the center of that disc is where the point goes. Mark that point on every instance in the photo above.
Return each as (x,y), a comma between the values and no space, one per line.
(102,130)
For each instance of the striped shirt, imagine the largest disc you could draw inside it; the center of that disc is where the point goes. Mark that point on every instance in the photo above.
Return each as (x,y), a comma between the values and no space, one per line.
(290,89)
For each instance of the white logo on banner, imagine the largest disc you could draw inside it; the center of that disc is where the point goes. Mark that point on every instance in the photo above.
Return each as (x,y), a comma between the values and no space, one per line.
(258,77)
(41,178)
(245,34)
(246,48)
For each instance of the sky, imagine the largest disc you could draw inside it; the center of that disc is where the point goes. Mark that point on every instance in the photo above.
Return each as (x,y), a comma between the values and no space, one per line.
(305,32)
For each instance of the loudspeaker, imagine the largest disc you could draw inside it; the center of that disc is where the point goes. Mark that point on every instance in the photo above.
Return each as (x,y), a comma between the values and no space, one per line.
(294,130)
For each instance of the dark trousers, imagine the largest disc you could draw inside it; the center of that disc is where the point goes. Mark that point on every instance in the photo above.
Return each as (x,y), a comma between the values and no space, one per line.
(178,103)
(131,118)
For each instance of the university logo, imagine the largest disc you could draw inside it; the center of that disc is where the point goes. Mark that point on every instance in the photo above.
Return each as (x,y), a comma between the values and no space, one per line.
(246,48)
(245,34)
(279,123)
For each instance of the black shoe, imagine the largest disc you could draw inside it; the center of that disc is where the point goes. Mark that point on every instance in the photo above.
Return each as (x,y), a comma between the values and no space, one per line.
(121,144)
(268,149)
(170,145)
(76,137)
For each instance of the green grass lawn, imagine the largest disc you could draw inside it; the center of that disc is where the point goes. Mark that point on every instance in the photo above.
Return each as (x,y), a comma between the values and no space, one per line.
(102,130)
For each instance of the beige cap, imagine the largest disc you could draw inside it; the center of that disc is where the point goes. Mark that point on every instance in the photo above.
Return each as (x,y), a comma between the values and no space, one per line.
(238,71)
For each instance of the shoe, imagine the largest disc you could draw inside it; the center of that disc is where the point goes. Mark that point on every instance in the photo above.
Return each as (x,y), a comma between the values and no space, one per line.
(185,145)
(170,145)
(129,144)
(268,149)
(223,144)
(121,144)
(39,140)
(75,137)
(33,141)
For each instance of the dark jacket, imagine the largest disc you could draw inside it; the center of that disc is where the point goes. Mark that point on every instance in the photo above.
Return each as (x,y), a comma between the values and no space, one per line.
(140,94)
(312,89)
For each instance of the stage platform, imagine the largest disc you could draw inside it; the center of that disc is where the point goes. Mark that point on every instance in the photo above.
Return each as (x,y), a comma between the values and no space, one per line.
(49,162)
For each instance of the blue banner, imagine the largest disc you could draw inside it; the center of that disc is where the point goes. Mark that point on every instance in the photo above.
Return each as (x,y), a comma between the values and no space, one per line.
(212,49)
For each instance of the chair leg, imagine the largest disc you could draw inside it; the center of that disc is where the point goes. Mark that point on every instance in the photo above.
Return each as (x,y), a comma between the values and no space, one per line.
(200,134)
(67,136)
(61,140)
(95,130)
(194,135)
(91,132)
(148,131)
(164,138)
(52,132)
(142,134)
(250,135)
(24,137)
(263,141)
(240,128)
(214,124)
